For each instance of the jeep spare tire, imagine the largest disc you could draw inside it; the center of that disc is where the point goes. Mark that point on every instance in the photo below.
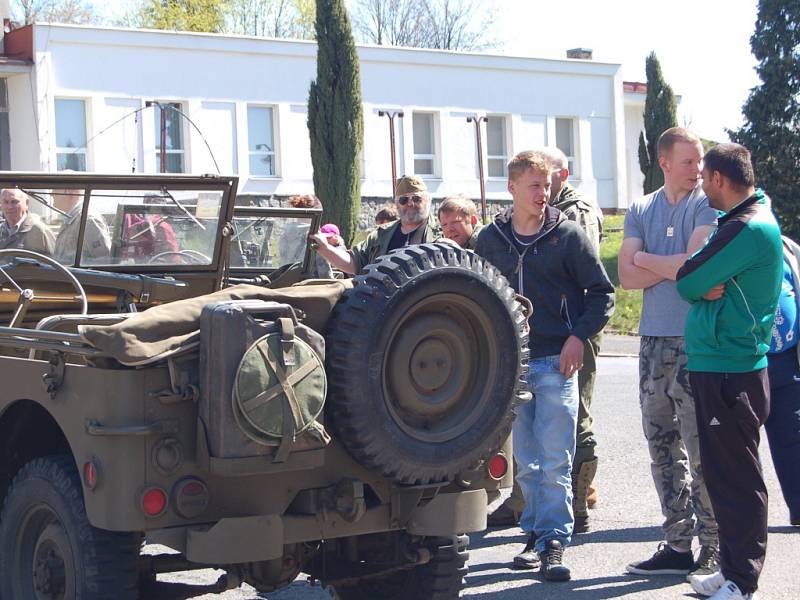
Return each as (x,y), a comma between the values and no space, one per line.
(426,357)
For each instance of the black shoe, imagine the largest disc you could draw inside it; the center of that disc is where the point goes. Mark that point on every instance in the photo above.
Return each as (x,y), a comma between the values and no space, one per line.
(527,559)
(707,562)
(553,567)
(502,517)
(581,524)
(665,561)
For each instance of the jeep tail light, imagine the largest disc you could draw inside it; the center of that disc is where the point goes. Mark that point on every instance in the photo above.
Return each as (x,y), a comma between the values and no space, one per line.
(190,498)
(90,475)
(154,501)
(497,466)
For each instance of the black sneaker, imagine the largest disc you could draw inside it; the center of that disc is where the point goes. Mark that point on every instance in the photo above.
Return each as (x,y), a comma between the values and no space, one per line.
(707,562)
(553,567)
(665,561)
(527,559)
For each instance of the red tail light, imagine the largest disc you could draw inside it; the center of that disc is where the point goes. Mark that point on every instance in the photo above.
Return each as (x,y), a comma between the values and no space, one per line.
(497,466)
(154,501)
(90,475)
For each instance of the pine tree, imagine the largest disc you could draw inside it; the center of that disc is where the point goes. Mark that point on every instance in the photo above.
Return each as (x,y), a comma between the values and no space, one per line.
(659,115)
(335,119)
(772,111)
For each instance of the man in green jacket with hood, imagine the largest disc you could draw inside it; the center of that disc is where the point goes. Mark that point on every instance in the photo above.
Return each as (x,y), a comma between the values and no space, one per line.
(733,284)
(415,226)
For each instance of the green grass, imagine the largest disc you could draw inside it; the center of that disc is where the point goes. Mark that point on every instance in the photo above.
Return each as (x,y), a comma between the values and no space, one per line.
(629,302)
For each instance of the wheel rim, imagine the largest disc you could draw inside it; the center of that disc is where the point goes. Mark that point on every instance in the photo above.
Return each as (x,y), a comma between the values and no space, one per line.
(45,565)
(439,367)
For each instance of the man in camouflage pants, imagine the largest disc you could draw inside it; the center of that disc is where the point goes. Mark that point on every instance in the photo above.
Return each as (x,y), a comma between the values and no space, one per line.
(661,230)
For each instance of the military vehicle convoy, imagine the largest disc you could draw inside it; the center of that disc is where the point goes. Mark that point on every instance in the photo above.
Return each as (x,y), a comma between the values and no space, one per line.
(178,379)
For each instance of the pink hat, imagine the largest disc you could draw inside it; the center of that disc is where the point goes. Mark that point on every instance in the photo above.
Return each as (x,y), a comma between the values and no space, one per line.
(329,229)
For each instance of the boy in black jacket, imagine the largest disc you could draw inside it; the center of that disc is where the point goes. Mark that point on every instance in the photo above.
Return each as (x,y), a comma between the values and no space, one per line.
(548,259)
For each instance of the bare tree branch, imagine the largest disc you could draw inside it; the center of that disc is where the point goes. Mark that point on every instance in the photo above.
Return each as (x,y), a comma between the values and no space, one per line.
(53,11)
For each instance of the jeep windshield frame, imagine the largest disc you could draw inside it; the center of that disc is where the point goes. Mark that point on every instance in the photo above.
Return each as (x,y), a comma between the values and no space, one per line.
(225,186)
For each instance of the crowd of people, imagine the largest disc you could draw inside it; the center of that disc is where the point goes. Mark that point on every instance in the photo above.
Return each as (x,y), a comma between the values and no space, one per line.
(719,354)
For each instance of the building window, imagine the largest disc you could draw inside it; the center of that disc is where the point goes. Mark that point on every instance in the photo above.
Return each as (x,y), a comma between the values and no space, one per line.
(496,147)
(565,140)
(174,152)
(70,134)
(261,140)
(424,143)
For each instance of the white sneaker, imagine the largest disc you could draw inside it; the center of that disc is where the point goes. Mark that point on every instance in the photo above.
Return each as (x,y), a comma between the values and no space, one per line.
(706,585)
(731,591)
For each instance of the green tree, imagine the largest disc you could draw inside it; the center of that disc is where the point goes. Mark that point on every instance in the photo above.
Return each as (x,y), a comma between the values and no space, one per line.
(181,15)
(659,115)
(335,119)
(772,111)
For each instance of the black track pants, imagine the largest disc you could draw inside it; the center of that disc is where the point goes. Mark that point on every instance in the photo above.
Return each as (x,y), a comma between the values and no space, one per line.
(731,407)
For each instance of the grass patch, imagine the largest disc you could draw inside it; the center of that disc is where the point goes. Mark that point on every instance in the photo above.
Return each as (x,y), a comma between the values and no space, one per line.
(629,302)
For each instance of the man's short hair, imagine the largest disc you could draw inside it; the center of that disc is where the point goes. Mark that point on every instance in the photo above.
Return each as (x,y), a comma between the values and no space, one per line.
(387,214)
(672,136)
(305,201)
(731,161)
(461,205)
(529,159)
(557,157)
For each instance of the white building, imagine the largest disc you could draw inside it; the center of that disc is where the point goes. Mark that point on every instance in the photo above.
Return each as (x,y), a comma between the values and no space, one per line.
(81,97)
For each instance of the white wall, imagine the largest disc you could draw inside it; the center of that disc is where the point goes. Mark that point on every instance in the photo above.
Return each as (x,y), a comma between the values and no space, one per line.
(216,77)
(634,124)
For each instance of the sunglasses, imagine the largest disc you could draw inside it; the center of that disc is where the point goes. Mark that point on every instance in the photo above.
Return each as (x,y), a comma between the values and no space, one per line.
(403,200)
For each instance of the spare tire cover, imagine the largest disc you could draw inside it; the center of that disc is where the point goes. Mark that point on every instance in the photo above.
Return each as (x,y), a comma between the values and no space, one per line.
(260,394)
(426,358)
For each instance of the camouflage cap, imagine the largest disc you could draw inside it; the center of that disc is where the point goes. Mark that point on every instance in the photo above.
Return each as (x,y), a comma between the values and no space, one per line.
(408,184)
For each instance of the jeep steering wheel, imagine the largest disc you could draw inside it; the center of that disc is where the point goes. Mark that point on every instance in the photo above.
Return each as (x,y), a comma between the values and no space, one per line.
(193,257)
(27,295)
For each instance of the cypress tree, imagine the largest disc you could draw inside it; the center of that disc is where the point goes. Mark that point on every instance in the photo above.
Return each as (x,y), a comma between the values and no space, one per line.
(335,119)
(772,111)
(659,115)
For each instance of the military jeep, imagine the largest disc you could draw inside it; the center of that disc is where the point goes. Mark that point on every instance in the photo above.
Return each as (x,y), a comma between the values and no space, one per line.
(181,380)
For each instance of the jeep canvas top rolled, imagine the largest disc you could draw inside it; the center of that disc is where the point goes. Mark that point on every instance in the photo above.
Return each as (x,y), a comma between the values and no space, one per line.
(174,374)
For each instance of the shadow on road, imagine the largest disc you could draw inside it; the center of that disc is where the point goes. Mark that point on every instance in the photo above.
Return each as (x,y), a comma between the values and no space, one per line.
(513,535)
(597,588)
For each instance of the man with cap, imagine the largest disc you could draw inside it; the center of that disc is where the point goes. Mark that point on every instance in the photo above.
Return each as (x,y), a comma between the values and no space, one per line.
(21,229)
(414,226)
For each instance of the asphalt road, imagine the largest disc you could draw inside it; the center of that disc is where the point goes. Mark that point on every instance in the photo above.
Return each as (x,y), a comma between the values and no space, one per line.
(625,527)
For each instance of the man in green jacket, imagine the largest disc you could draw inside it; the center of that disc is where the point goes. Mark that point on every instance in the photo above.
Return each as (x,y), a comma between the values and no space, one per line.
(415,226)
(458,217)
(733,284)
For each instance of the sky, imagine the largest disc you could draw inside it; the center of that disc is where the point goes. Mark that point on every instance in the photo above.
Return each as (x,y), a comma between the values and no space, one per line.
(703,45)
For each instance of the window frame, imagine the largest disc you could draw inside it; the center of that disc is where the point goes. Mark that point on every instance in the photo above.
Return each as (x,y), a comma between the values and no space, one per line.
(66,150)
(274,152)
(572,159)
(182,152)
(503,158)
(431,157)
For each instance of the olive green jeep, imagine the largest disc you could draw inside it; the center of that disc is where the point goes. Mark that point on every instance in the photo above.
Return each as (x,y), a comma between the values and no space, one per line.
(174,377)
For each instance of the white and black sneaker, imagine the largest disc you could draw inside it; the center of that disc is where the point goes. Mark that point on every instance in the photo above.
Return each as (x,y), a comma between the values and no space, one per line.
(665,561)
(731,591)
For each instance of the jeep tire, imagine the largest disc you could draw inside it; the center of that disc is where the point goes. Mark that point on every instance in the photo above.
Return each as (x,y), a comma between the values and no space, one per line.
(48,548)
(440,579)
(422,357)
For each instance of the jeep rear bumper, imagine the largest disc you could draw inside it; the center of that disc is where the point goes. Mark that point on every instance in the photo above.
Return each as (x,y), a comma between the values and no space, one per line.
(262,537)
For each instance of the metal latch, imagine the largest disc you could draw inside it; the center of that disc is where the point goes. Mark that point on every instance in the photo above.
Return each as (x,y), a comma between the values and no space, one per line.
(54,377)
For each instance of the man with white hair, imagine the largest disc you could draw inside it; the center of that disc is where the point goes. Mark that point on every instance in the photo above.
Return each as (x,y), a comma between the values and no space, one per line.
(414,226)
(20,228)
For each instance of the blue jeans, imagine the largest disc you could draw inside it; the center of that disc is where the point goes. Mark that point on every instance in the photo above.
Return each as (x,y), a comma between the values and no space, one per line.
(544,446)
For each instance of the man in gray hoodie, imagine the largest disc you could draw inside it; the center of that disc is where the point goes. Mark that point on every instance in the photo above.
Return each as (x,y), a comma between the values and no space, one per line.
(550,260)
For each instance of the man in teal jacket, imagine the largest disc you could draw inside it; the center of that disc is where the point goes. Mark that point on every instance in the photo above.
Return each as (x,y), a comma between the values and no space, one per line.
(733,285)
